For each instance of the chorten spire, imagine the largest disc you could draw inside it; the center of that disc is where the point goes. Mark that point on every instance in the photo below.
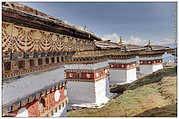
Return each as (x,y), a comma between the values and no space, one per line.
(149,43)
(85,28)
(121,41)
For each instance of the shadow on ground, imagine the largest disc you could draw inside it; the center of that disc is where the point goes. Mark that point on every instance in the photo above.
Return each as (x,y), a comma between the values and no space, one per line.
(166,111)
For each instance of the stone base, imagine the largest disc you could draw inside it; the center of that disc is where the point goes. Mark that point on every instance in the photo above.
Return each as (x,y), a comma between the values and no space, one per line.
(148,69)
(122,76)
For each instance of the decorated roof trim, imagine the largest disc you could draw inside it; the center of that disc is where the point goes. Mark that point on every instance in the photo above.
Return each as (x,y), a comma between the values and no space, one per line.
(10,13)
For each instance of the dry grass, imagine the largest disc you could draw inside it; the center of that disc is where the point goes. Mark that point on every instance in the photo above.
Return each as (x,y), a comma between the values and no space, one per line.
(153,95)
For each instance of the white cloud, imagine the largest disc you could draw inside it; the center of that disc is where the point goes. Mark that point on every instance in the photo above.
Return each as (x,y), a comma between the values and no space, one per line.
(131,40)
(165,41)
(113,37)
(136,40)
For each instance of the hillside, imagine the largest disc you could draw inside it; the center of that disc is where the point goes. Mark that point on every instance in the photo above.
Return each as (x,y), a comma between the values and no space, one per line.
(152,95)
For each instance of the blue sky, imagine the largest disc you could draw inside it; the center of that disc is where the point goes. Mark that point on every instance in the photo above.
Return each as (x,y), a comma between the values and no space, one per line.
(135,22)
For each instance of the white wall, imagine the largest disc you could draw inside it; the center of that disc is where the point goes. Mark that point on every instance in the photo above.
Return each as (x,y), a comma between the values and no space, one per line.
(101,92)
(87,92)
(157,67)
(148,69)
(61,112)
(108,93)
(131,75)
(81,92)
(122,76)
(117,76)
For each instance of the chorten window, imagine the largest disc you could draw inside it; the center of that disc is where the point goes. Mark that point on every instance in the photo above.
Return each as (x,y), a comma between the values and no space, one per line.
(47,60)
(40,61)
(62,59)
(31,63)
(53,60)
(7,66)
(21,64)
(58,60)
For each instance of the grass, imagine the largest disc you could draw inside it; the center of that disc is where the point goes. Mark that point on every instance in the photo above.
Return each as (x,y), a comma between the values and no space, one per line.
(152,95)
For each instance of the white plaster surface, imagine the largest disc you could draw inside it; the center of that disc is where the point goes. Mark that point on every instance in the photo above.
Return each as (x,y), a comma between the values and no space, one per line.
(157,67)
(81,92)
(23,112)
(101,91)
(87,93)
(148,69)
(30,83)
(122,76)
(93,66)
(61,112)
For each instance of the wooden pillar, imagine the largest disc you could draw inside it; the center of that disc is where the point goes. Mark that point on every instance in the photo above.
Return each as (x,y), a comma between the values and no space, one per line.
(36,62)
(55,59)
(27,64)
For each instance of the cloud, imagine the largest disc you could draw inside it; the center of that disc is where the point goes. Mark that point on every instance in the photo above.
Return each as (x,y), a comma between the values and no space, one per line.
(138,40)
(130,40)
(113,37)
(165,41)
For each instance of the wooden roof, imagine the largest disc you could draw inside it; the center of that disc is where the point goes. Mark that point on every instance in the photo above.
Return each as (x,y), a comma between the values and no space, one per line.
(107,44)
(25,16)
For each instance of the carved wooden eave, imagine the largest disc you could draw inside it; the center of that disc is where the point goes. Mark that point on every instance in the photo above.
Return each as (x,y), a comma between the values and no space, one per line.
(106,52)
(43,23)
(155,50)
(137,51)
(107,44)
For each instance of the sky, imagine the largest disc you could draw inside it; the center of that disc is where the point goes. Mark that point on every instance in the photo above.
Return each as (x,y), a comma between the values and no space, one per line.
(137,23)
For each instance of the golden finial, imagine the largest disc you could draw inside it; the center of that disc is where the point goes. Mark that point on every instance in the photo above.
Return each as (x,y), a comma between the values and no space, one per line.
(169,59)
(85,28)
(121,41)
(149,44)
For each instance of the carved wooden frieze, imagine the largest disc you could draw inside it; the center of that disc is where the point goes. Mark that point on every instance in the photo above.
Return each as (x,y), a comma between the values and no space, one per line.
(23,39)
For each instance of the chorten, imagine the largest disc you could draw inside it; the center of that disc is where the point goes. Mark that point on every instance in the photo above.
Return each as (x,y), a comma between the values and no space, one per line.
(121,41)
